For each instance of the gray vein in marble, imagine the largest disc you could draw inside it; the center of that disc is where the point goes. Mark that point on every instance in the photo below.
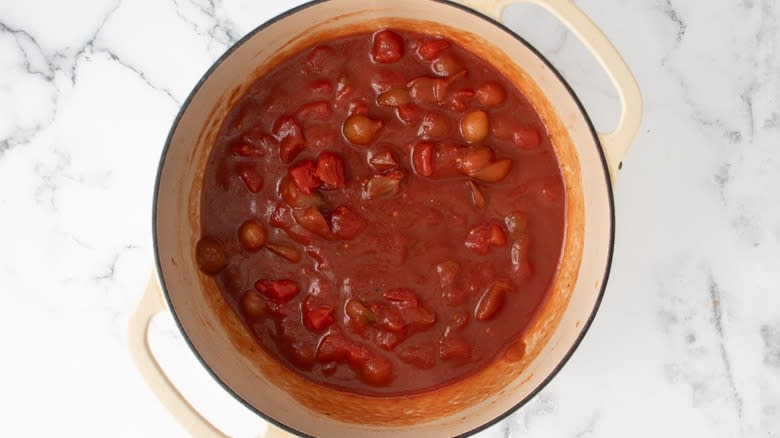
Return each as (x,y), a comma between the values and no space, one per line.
(111,268)
(717,317)
(90,48)
(746,96)
(722,178)
(91,41)
(770,334)
(78,241)
(590,429)
(50,176)
(542,404)
(747,229)
(766,37)
(764,28)
(20,36)
(66,61)
(729,133)
(747,99)
(221,30)
(26,44)
(773,122)
(670,12)
(114,57)
(47,189)
(55,62)
(732,135)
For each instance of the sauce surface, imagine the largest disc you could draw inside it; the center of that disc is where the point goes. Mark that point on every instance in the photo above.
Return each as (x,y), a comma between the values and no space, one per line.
(384,212)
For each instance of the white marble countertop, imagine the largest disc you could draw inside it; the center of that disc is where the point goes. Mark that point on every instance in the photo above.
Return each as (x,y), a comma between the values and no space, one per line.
(687,341)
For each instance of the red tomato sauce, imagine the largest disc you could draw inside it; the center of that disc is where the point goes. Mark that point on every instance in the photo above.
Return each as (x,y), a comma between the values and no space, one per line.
(384,212)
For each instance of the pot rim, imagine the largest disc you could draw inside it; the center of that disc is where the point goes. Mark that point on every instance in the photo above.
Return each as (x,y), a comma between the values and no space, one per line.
(610,251)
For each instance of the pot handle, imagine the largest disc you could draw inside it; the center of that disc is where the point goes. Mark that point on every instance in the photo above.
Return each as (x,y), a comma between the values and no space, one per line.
(151,304)
(616,143)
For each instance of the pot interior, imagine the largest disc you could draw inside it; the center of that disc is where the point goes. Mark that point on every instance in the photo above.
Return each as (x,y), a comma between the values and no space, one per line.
(222,343)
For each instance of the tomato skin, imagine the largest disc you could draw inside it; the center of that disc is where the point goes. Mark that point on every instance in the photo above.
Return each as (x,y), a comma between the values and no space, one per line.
(402,298)
(250,176)
(484,236)
(282,290)
(333,347)
(492,300)
(429,49)
(317,317)
(304,174)
(422,158)
(330,170)
(290,136)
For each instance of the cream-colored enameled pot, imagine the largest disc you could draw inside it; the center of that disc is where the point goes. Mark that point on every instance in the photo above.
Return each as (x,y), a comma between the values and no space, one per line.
(588,160)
